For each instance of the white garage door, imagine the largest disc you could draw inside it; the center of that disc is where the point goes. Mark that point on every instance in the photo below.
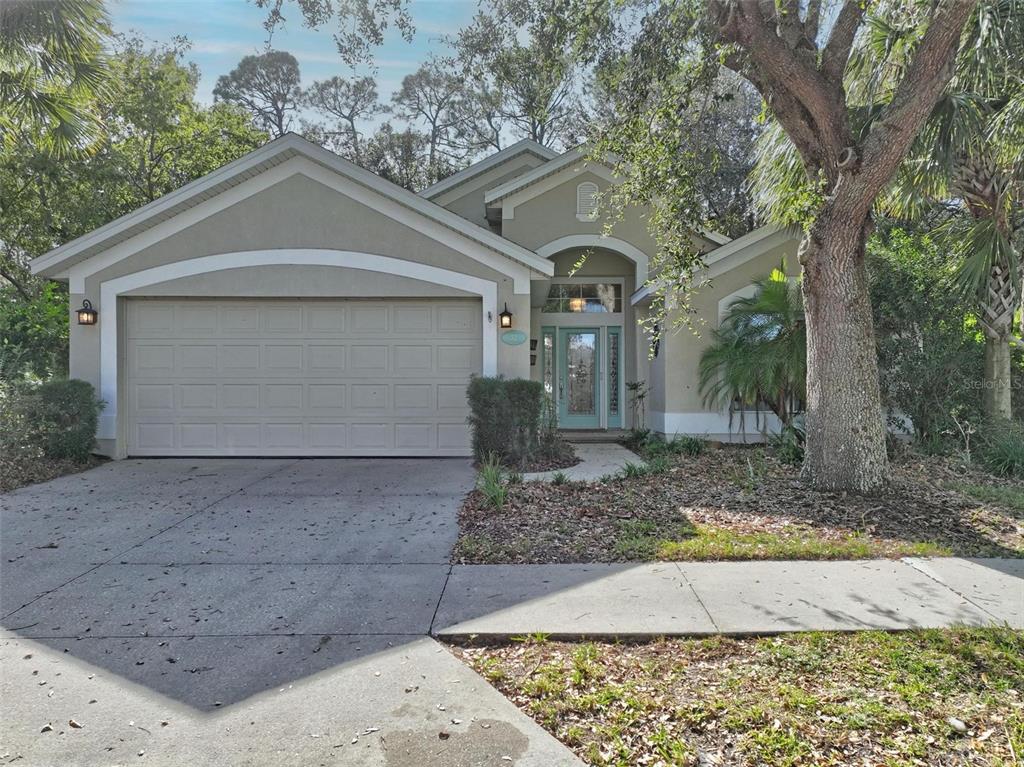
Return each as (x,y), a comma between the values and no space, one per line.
(300,377)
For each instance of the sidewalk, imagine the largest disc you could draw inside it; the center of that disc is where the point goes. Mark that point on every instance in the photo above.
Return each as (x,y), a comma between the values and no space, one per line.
(694,598)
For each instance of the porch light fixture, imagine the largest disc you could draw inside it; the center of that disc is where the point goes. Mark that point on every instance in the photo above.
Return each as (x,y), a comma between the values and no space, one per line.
(505,318)
(87,315)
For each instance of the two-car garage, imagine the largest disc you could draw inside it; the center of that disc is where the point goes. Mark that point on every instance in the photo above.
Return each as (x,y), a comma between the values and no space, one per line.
(292,303)
(299,376)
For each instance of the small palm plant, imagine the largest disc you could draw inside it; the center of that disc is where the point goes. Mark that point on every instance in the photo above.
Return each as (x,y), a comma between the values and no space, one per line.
(758,357)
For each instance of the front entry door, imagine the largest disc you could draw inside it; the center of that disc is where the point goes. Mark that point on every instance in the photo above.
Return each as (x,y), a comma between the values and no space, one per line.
(579,377)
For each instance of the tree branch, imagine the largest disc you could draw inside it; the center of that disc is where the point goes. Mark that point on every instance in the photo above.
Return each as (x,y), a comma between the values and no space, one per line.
(927,76)
(840,41)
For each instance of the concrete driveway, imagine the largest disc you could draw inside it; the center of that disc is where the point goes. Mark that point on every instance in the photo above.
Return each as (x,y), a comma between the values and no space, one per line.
(263,611)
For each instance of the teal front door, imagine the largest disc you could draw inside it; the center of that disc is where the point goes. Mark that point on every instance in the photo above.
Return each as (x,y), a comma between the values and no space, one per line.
(579,377)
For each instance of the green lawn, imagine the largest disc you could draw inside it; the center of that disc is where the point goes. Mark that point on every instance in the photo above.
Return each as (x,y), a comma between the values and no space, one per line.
(870,698)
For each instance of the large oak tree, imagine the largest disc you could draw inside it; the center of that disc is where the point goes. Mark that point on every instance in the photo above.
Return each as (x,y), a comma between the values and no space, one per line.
(796,53)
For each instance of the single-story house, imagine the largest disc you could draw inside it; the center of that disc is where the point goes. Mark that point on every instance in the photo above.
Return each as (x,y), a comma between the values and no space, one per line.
(293,303)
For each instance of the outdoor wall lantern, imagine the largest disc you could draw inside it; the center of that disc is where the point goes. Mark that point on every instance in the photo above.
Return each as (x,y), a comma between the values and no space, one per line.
(87,315)
(505,318)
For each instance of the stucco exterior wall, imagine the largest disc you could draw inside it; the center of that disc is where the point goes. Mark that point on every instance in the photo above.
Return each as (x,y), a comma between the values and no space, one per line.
(681,350)
(467,199)
(552,214)
(297,212)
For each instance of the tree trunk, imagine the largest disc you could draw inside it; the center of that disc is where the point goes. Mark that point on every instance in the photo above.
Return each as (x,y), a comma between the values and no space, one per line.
(997,397)
(845,447)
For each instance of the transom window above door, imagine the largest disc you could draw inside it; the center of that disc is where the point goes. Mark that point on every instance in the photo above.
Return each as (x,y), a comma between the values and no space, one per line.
(584,297)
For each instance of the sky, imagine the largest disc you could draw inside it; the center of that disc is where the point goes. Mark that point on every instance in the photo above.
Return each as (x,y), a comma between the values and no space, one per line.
(223,31)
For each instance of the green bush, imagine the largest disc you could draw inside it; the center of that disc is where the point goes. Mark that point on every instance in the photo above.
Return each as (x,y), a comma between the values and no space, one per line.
(489,481)
(689,445)
(510,419)
(789,445)
(60,418)
(1002,450)
(33,334)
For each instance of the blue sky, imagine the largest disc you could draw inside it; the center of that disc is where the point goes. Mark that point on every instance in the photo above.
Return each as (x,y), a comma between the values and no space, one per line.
(223,31)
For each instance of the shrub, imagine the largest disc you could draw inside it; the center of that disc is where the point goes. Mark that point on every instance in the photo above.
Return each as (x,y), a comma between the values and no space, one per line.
(1002,450)
(658,465)
(489,481)
(930,353)
(789,445)
(60,418)
(689,445)
(631,470)
(513,420)
(560,478)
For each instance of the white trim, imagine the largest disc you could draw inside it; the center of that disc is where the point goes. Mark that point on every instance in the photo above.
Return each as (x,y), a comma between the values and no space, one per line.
(526,146)
(563,161)
(302,166)
(623,248)
(384,191)
(713,425)
(111,289)
(733,254)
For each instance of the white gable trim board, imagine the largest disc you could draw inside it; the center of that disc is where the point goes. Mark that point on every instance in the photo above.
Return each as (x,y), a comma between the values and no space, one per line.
(519,273)
(112,289)
(525,146)
(325,167)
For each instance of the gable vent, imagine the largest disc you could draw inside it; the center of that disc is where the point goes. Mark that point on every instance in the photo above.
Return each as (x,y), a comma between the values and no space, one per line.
(586,201)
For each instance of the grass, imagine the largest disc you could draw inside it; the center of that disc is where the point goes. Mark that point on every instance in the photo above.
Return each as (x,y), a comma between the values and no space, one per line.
(802,699)
(709,543)
(1002,495)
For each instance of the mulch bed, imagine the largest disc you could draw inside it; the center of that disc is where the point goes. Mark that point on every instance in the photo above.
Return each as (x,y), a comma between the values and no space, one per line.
(745,490)
(18,471)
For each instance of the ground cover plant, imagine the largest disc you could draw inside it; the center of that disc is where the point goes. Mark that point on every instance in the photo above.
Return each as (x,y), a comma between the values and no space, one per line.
(950,697)
(743,503)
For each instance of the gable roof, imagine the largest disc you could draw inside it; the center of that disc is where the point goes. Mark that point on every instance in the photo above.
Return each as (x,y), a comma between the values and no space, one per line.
(735,253)
(526,146)
(259,160)
(567,160)
(551,167)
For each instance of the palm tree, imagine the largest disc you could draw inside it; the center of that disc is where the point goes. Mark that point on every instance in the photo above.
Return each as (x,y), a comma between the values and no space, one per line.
(966,164)
(758,357)
(52,67)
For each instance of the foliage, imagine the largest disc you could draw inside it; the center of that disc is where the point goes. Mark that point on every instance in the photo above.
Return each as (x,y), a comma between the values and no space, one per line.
(637,392)
(434,99)
(490,481)
(346,102)
(505,417)
(360,24)
(758,356)
(398,156)
(788,445)
(656,447)
(157,138)
(33,333)
(1002,449)
(822,698)
(929,352)
(52,70)
(268,86)
(518,56)
(59,418)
